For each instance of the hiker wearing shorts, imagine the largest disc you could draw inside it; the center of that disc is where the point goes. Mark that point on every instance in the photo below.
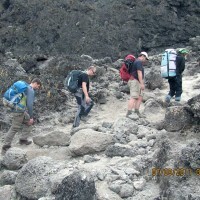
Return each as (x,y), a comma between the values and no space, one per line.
(84,102)
(22,120)
(136,84)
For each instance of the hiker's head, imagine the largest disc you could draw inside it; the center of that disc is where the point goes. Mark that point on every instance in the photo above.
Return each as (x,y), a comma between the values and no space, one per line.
(143,56)
(183,51)
(91,70)
(36,83)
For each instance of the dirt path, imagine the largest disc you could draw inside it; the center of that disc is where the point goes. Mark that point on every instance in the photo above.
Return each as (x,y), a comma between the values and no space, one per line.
(109,112)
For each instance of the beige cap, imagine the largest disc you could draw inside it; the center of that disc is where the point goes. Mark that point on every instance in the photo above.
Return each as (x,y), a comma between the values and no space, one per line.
(145,54)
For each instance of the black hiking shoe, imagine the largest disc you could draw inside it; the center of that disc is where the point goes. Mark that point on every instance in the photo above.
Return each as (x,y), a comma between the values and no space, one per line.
(129,112)
(139,114)
(26,142)
(5,148)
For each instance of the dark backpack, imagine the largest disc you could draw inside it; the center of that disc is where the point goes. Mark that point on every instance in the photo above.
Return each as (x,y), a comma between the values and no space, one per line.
(126,66)
(71,81)
(15,97)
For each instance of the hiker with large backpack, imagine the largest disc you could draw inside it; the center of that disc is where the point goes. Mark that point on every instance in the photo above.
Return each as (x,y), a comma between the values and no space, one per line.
(78,83)
(175,81)
(19,99)
(136,84)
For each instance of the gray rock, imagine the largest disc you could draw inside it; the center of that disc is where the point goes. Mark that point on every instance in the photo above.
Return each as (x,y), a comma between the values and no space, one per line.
(55,138)
(8,177)
(194,104)
(33,180)
(126,191)
(78,185)
(107,124)
(89,141)
(177,118)
(89,159)
(121,150)
(6,192)
(14,158)
(139,185)
(190,155)
(125,125)
(153,80)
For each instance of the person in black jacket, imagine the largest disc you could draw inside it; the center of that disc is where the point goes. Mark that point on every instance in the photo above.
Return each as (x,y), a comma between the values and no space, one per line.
(84,102)
(175,83)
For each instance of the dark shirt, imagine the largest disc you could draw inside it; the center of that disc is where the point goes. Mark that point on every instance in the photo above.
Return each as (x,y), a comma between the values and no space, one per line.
(180,64)
(83,78)
(137,65)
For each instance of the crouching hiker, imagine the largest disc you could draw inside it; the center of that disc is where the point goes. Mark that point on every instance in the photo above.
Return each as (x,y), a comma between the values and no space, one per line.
(136,84)
(84,102)
(20,101)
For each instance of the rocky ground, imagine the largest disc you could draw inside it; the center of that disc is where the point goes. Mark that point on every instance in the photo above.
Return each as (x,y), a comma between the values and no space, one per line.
(109,157)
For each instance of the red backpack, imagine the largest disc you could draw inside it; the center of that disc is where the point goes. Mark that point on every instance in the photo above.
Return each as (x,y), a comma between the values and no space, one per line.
(125,68)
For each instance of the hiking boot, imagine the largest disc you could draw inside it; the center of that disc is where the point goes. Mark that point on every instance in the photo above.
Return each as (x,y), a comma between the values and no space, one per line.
(129,112)
(26,142)
(139,114)
(177,98)
(5,148)
(168,98)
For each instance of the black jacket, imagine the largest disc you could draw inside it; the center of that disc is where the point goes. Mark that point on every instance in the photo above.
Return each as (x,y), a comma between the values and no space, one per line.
(180,64)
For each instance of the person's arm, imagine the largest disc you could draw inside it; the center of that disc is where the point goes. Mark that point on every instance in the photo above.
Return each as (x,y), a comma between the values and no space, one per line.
(84,87)
(141,81)
(29,104)
(183,65)
(180,65)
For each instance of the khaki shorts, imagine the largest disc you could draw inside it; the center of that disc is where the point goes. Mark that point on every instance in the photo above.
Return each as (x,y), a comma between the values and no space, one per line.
(135,90)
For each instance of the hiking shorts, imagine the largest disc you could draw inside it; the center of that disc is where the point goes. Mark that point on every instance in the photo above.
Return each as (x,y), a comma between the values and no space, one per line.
(135,90)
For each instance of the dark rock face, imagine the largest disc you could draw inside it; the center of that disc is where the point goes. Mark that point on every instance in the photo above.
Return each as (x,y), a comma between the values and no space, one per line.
(190,155)
(98,28)
(153,80)
(75,187)
(177,118)
(194,104)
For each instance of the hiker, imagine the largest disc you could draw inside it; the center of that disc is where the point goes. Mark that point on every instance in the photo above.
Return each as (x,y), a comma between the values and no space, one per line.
(84,102)
(22,120)
(175,83)
(136,84)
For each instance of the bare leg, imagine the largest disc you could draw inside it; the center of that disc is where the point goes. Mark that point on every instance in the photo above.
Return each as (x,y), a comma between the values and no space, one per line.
(131,103)
(138,102)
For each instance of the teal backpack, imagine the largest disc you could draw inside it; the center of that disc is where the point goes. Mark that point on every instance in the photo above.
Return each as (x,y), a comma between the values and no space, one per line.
(168,63)
(15,98)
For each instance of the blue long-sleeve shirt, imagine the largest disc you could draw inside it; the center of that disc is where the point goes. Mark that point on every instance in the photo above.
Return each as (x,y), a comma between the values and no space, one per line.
(30,96)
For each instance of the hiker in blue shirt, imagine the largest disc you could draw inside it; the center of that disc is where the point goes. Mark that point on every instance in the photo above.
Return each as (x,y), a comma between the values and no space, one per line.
(175,83)
(22,120)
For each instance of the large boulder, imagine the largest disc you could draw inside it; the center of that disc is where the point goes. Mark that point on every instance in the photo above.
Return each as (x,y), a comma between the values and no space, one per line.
(33,180)
(54,138)
(78,185)
(89,141)
(177,118)
(194,104)
(14,158)
(153,80)
(190,156)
